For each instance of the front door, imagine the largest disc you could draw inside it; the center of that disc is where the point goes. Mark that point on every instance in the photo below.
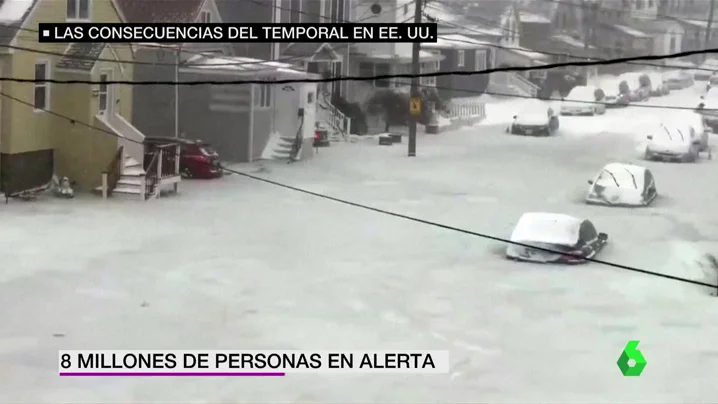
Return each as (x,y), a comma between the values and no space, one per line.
(308,101)
(106,96)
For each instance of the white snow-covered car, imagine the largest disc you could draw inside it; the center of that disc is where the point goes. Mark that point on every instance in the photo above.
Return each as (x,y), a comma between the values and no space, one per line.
(659,85)
(620,184)
(554,238)
(536,118)
(708,108)
(614,97)
(675,142)
(678,79)
(584,100)
(696,121)
(706,70)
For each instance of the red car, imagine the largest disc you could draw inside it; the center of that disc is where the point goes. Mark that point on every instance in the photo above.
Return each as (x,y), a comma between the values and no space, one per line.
(197,159)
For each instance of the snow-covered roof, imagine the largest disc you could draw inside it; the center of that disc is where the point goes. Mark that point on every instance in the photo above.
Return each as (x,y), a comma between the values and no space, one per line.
(570,41)
(626,175)
(14,10)
(455,41)
(631,31)
(533,18)
(241,65)
(548,228)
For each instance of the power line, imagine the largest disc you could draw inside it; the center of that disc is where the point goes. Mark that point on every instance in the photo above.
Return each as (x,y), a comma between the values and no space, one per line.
(378,77)
(387,212)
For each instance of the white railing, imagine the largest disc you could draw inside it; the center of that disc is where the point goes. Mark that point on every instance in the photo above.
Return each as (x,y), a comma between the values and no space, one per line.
(131,138)
(465,109)
(523,84)
(334,117)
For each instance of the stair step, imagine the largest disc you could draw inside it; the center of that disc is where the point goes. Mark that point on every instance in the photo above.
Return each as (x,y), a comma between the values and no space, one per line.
(131,181)
(130,162)
(133,171)
(127,189)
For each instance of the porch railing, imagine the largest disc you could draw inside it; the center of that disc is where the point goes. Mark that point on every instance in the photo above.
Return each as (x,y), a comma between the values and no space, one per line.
(523,84)
(465,109)
(151,177)
(165,163)
(111,175)
(333,116)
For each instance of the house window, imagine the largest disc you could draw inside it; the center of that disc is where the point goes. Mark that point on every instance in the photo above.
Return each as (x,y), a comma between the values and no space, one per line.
(366,69)
(102,93)
(41,95)
(78,9)
(639,4)
(460,58)
(295,11)
(650,3)
(382,69)
(205,17)
(263,96)
(430,67)
(480,60)
(674,45)
(406,9)
(337,11)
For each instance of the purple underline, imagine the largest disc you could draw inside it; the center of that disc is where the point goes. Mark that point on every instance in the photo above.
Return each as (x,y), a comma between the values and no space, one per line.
(173,374)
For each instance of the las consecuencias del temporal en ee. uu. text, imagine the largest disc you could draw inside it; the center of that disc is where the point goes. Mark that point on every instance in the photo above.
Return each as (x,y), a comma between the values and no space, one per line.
(207,33)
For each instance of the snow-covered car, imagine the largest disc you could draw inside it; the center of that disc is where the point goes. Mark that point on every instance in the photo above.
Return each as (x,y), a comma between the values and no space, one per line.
(708,108)
(554,238)
(614,97)
(678,79)
(584,100)
(620,184)
(659,85)
(638,87)
(535,119)
(706,70)
(672,142)
(696,121)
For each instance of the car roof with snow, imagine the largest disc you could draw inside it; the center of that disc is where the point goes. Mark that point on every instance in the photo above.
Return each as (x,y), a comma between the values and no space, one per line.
(534,106)
(582,91)
(622,175)
(547,228)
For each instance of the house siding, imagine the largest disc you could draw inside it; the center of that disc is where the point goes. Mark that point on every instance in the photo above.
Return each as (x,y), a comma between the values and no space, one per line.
(150,115)
(240,11)
(456,86)
(79,152)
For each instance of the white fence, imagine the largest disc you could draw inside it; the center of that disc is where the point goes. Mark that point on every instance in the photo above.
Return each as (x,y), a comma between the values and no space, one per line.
(465,109)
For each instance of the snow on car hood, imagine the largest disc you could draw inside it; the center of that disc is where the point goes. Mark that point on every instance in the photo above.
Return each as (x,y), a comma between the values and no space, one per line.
(665,144)
(576,105)
(532,119)
(609,193)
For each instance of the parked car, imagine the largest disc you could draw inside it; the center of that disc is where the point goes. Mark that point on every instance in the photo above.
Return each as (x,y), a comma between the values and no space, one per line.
(554,238)
(671,142)
(696,121)
(197,159)
(659,85)
(708,108)
(536,118)
(614,97)
(706,70)
(678,79)
(584,100)
(638,86)
(620,184)
(321,136)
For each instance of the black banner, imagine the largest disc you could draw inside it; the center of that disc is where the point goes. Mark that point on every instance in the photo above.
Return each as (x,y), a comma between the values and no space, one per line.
(207,33)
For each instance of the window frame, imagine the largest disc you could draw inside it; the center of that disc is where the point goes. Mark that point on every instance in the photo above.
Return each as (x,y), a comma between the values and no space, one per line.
(205,17)
(263,96)
(295,13)
(460,58)
(45,86)
(480,55)
(77,10)
(382,83)
(105,92)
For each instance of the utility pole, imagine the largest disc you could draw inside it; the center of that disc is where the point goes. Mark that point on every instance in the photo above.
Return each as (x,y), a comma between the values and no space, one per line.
(415,71)
(178,55)
(709,25)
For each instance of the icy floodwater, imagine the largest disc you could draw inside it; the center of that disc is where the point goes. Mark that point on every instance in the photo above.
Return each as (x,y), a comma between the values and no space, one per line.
(239,264)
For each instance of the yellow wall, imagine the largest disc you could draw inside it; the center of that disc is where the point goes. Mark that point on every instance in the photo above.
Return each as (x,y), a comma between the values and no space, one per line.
(81,152)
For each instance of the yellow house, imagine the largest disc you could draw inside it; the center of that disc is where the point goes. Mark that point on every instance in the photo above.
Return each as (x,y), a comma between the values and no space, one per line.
(73,130)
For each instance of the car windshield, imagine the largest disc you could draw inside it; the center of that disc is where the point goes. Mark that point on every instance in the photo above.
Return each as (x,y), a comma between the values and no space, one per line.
(581,93)
(207,150)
